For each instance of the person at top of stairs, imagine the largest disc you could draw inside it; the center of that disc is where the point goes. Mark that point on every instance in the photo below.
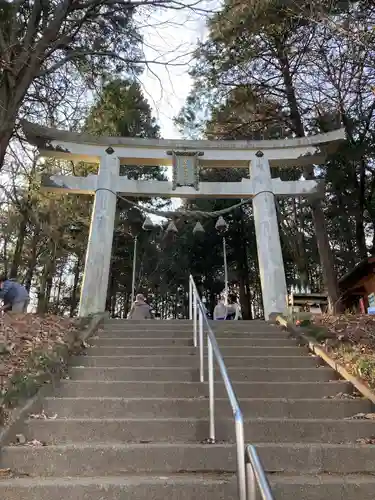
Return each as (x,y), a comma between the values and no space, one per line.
(227,312)
(140,309)
(234,309)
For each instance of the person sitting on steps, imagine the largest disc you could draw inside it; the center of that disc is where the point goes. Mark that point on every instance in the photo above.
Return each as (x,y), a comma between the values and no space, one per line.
(220,311)
(232,311)
(140,309)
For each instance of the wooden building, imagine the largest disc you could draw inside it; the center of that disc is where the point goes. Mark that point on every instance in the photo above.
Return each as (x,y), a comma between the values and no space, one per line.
(357,284)
(308,302)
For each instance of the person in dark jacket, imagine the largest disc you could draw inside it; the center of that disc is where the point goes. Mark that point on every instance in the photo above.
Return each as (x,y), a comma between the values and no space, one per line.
(14,295)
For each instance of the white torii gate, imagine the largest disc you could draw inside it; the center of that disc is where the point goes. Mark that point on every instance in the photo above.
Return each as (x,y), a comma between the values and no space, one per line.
(111,152)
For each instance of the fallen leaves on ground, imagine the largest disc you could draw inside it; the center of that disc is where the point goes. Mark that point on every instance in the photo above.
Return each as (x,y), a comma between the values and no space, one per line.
(350,340)
(27,341)
(361,416)
(369,440)
(22,441)
(352,328)
(43,416)
(35,442)
(5,472)
(344,395)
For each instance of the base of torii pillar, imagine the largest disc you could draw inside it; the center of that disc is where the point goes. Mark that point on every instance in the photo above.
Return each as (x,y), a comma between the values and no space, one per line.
(270,258)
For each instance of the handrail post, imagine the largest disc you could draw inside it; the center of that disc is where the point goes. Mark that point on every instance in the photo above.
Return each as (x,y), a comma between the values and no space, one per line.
(190,299)
(251,483)
(240,445)
(211,388)
(250,472)
(195,318)
(256,477)
(225,271)
(201,346)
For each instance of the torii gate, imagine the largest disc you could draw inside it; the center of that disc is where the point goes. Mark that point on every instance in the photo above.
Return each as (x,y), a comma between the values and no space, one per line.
(185,156)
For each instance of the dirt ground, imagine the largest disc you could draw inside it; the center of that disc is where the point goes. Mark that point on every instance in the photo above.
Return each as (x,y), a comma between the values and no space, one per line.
(31,347)
(350,339)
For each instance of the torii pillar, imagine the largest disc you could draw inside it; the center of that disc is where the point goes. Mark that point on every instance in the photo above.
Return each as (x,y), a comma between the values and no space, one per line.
(110,152)
(270,257)
(99,246)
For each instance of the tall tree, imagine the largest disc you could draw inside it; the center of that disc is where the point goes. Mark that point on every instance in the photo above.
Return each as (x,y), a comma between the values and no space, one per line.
(46,239)
(274,53)
(44,43)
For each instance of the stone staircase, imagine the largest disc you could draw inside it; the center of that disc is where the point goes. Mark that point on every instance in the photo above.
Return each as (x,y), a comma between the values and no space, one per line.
(132,420)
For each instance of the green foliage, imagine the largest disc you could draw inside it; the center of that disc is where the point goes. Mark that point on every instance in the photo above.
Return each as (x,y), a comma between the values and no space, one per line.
(366,367)
(41,368)
(122,110)
(279,69)
(51,230)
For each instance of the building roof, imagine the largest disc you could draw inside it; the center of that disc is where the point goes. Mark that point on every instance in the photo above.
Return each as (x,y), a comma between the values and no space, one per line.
(364,268)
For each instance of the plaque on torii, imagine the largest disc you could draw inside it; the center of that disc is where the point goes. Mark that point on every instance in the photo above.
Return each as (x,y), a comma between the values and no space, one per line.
(186,158)
(185,168)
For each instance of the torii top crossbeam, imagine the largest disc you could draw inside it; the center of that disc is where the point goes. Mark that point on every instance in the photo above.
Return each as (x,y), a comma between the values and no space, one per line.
(216,154)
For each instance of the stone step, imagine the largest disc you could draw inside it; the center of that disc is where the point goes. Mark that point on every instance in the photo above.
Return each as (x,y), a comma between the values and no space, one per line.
(185,487)
(166,342)
(323,487)
(81,459)
(143,487)
(193,361)
(178,374)
(180,350)
(195,430)
(293,390)
(198,408)
(230,328)
(188,333)
(187,322)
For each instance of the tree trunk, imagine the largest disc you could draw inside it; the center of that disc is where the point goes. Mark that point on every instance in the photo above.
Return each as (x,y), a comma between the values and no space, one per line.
(326,258)
(126,305)
(245,297)
(5,255)
(32,262)
(324,249)
(108,301)
(12,94)
(293,240)
(74,295)
(359,230)
(360,235)
(303,267)
(46,281)
(49,289)
(16,261)
(45,287)
(59,288)
(346,234)
(6,133)
(114,301)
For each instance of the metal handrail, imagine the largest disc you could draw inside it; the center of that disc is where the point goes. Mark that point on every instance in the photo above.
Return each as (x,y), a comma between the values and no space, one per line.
(250,463)
(256,476)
